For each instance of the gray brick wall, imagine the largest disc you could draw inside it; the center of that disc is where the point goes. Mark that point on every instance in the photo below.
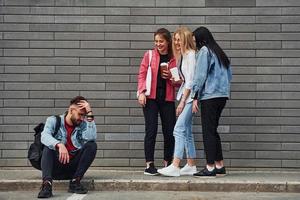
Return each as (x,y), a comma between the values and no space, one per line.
(52,50)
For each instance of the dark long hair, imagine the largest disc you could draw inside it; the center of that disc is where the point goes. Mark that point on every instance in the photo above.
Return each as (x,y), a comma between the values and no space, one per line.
(204,37)
(168,37)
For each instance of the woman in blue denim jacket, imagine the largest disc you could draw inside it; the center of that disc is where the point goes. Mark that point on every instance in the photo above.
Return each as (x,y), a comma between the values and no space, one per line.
(211,85)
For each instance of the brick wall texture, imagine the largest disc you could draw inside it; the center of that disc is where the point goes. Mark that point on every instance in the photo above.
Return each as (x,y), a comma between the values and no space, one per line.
(52,50)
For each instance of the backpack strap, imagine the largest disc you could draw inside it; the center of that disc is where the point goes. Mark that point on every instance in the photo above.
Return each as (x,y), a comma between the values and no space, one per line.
(57,125)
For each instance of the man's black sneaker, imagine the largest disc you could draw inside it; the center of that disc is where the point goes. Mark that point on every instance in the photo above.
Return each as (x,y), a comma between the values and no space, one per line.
(77,187)
(151,170)
(205,173)
(46,190)
(221,171)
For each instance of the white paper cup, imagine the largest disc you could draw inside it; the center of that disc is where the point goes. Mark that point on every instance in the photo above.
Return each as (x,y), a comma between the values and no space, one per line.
(175,74)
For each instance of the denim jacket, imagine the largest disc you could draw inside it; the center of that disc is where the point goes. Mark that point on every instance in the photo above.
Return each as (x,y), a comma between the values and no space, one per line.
(83,133)
(211,79)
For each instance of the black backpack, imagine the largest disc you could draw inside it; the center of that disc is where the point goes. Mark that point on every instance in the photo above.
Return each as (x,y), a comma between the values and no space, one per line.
(35,150)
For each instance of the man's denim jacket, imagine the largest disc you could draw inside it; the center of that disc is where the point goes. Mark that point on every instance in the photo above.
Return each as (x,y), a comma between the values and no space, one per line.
(83,133)
(211,79)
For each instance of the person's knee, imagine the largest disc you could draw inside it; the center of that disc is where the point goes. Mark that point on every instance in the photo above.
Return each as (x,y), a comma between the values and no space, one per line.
(91,146)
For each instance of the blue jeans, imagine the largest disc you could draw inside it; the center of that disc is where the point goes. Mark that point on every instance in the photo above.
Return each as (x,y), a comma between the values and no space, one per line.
(184,139)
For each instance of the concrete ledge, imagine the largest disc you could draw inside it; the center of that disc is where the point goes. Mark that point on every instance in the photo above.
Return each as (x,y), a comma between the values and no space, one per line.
(118,180)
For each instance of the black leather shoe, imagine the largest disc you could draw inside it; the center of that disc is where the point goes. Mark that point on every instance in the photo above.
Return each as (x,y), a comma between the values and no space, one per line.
(221,171)
(77,187)
(46,190)
(206,174)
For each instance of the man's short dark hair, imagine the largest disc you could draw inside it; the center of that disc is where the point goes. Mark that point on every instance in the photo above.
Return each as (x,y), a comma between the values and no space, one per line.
(77,99)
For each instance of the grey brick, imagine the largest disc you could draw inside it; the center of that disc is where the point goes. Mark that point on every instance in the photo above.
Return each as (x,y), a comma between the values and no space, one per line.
(256,45)
(105,44)
(14,44)
(65,102)
(290,61)
(54,77)
(277,138)
(104,11)
(111,111)
(290,10)
(124,120)
(290,163)
(290,112)
(230,19)
(54,61)
(54,44)
(104,28)
(106,162)
(256,163)
(290,27)
(117,136)
(13,145)
(53,94)
(122,87)
(104,61)
(30,3)
(268,87)
(255,28)
(255,129)
(122,70)
(179,19)
(116,154)
(29,86)
(255,146)
(55,10)
(239,154)
(277,154)
(18,136)
(28,36)
(291,146)
(277,53)
(238,137)
(155,11)
(256,11)
(29,69)
(290,87)
(105,78)
(54,27)
(28,52)
(234,36)
(28,103)
(291,129)
(275,120)
(14,77)
(277,36)
(13,111)
(243,87)
(13,61)
(129,20)
(141,28)
(229,3)
(14,27)
(80,3)
(104,95)
(205,11)
(113,129)
(80,70)
(131,3)
(124,53)
(80,86)
(78,36)
(291,44)
(28,19)
(79,19)
(113,145)
(8,129)
(45,111)
(256,61)
(14,153)
(290,78)
(129,36)
(277,3)
(14,10)
(237,120)
(278,70)
(290,95)
(121,103)
(256,78)
(256,112)
(79,53)
(244,70)
(240,53)
(241,103)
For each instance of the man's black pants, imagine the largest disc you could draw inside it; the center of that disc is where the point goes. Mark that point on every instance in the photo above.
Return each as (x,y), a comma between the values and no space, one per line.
(76,168)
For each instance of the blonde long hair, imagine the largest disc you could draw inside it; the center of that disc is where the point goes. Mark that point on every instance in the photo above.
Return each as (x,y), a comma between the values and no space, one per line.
(186,38)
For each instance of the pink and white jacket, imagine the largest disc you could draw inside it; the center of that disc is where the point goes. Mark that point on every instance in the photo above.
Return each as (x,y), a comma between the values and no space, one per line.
(170,89)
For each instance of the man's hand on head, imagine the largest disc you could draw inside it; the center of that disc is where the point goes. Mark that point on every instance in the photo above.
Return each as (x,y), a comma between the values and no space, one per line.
(84,105)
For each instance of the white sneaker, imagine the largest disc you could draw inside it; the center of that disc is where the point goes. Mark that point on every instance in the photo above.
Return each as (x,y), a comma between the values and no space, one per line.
(188,170)
(171,170)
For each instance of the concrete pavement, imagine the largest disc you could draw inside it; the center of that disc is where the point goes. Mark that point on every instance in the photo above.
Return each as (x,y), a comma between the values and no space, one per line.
(135,180)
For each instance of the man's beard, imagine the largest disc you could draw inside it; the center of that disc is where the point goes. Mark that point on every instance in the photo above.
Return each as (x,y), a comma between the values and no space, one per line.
(74,121)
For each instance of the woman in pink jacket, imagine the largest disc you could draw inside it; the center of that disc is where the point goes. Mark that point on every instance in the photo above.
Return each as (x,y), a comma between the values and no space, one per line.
(159,100)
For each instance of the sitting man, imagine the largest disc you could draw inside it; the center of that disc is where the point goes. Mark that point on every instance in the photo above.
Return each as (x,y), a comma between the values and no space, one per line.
(72,150)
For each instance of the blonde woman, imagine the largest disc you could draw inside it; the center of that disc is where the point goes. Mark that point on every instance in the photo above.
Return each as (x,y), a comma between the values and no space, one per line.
(184,51)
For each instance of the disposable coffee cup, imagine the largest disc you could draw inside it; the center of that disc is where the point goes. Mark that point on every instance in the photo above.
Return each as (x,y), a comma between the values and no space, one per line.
(163,68)
(175,74)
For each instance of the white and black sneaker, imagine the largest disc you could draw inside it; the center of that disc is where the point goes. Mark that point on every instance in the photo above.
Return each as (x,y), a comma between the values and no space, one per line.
(151,170)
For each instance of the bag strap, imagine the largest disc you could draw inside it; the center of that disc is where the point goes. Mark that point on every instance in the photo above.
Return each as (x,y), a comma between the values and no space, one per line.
(150,58)
(57,125)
